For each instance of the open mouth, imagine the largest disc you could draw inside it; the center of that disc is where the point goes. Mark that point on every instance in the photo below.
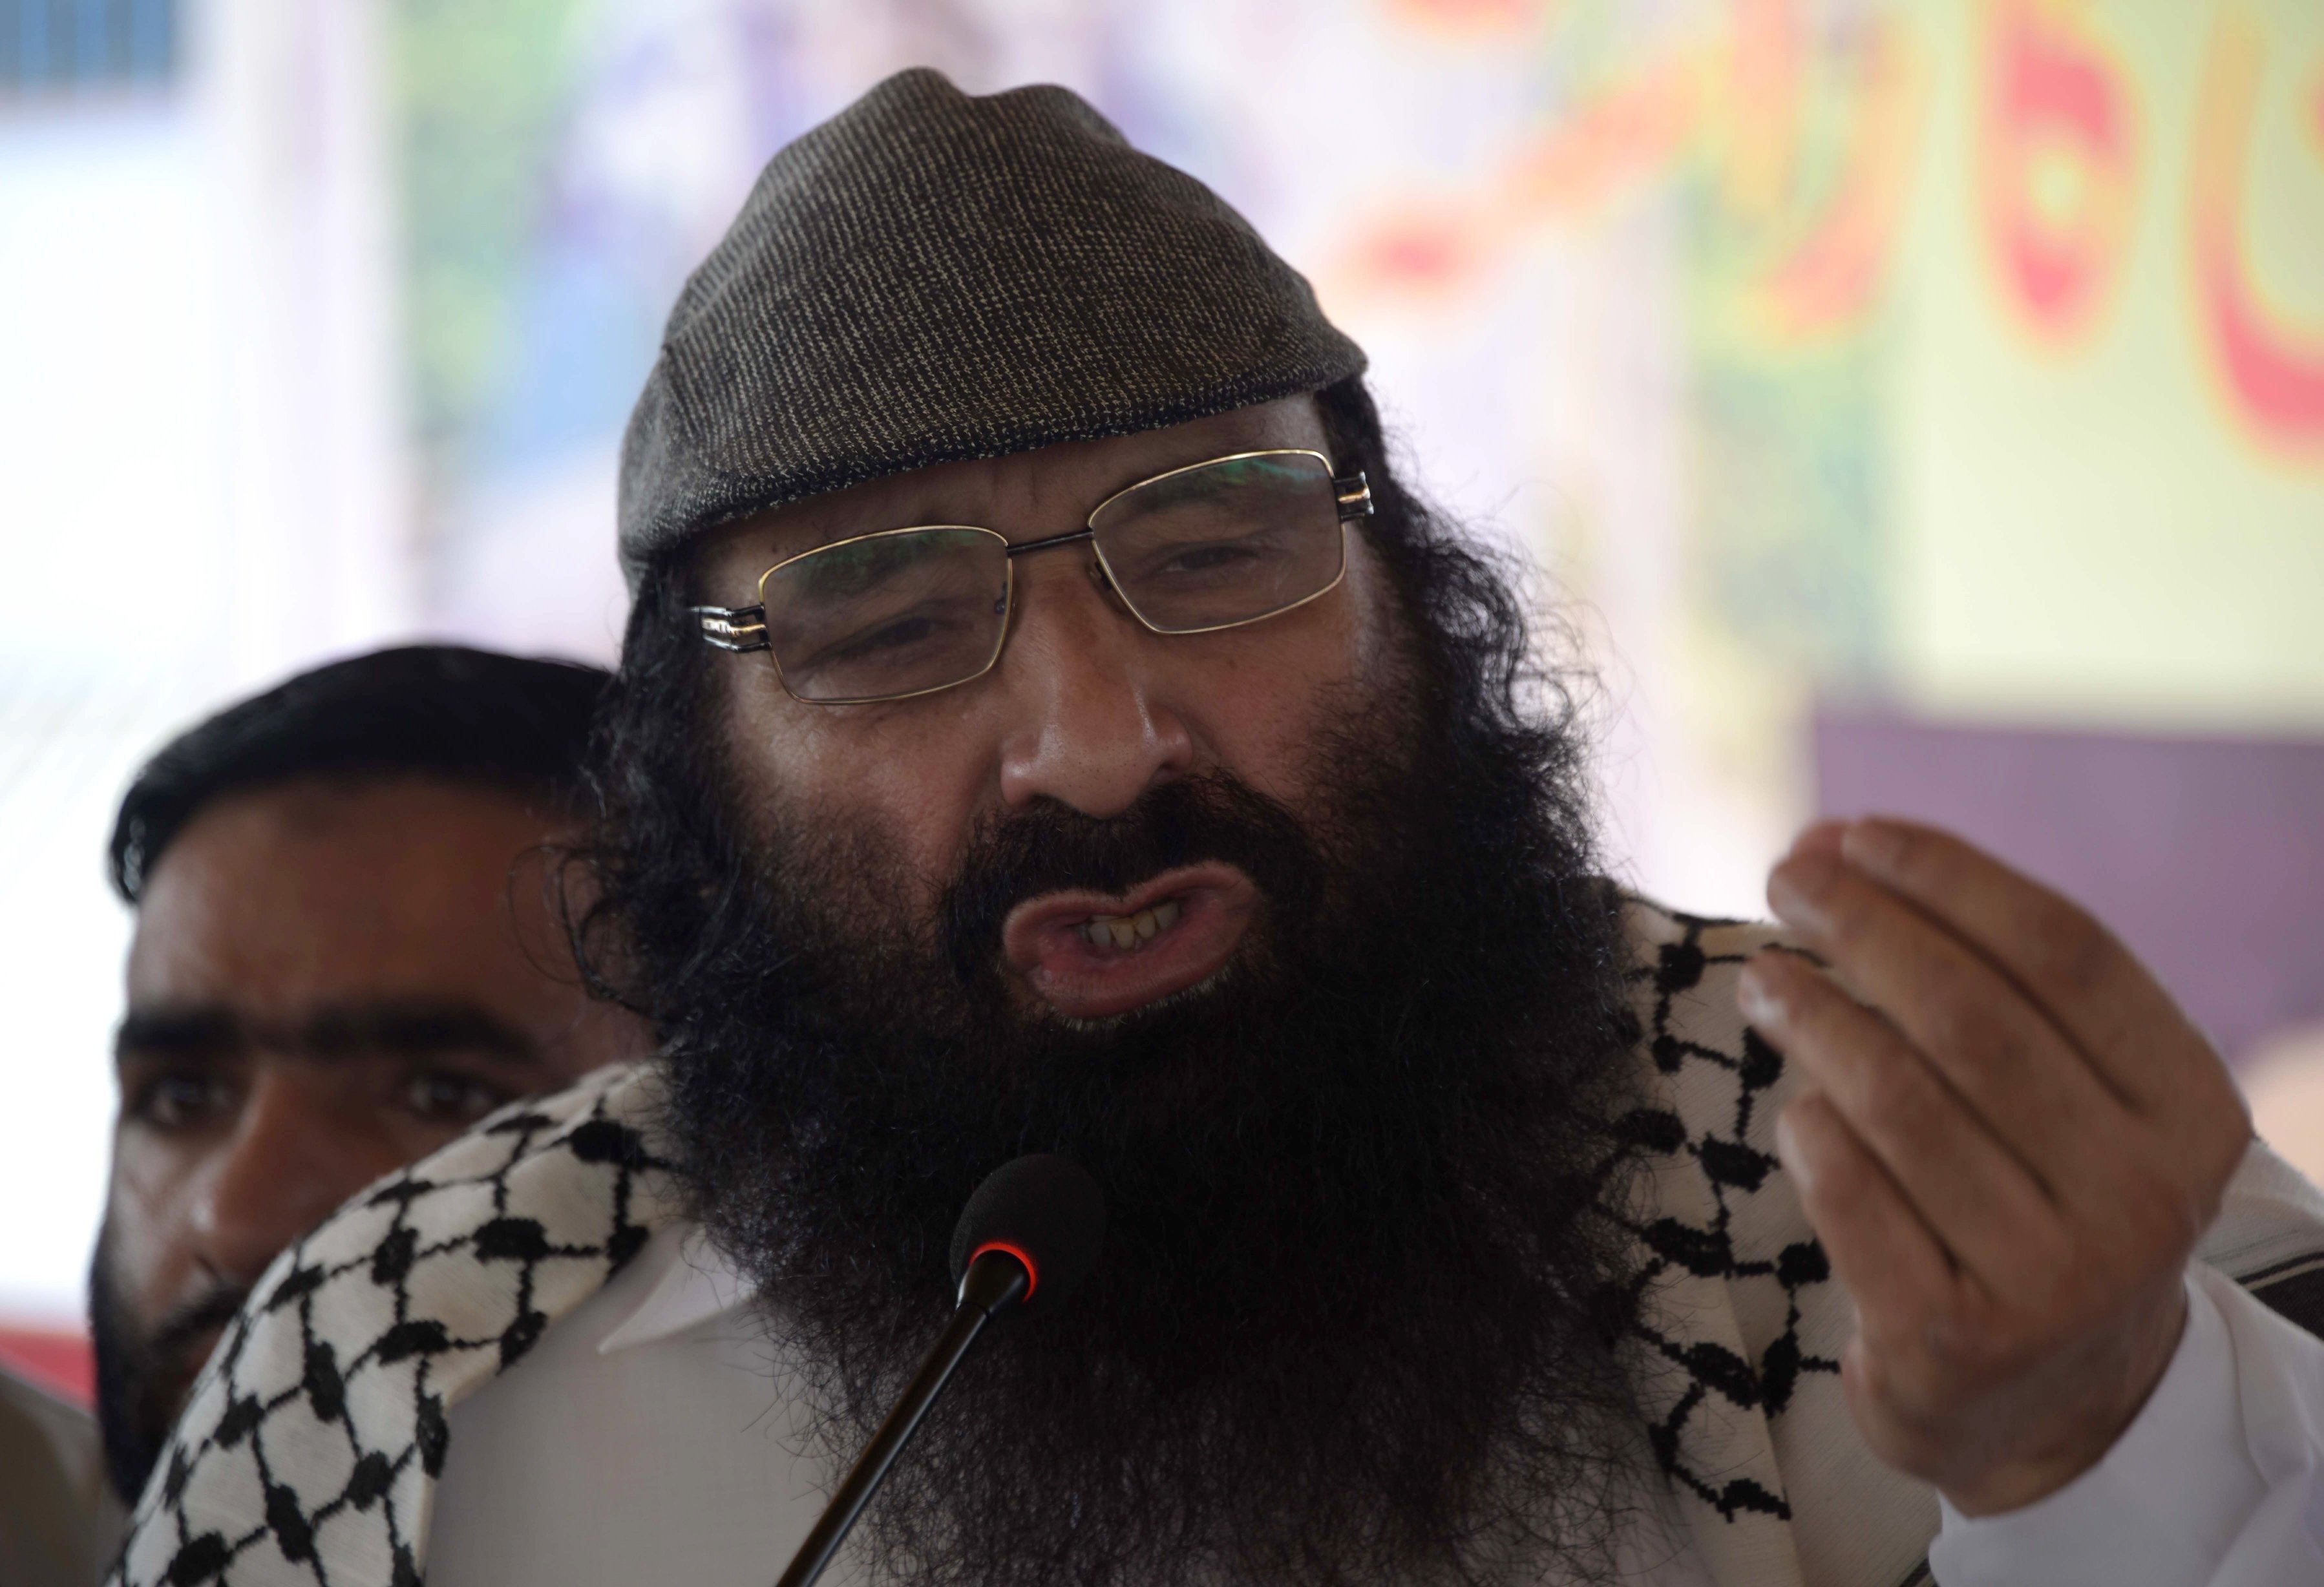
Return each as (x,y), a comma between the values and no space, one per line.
(1091,955)
(1129,933)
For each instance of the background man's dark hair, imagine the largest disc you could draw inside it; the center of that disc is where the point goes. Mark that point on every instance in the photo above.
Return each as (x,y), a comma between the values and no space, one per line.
(442,710)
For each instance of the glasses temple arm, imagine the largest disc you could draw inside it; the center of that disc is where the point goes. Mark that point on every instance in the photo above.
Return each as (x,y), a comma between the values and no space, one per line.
(733,627)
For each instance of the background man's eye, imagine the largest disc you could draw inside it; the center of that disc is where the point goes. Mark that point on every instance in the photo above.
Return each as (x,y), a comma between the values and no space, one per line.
(446,1095)
(182,1099)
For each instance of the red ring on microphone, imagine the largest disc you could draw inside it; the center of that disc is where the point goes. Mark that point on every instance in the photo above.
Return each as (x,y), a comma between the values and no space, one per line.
(1032,1268)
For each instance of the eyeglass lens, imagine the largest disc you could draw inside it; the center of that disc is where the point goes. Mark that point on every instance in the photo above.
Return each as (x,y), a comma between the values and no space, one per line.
(890,614)
(1228,542)
(916,610)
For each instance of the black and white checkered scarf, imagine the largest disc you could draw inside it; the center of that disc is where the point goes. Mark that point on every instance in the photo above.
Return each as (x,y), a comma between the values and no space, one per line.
(309,1453)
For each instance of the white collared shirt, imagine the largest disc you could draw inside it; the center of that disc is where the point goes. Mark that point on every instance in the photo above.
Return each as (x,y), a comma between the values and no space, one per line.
(655,1434)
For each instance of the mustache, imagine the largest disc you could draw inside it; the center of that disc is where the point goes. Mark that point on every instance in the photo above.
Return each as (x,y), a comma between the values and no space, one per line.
(185,1324)
(1050,847)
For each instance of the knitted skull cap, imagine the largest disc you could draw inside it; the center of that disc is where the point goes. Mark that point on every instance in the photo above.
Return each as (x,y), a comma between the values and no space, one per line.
(932,276)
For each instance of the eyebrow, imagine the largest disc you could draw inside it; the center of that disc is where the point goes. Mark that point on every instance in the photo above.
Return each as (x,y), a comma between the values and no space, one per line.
(412,1028)
(785,541)
(400,1026)
(182,1029)
(789,540)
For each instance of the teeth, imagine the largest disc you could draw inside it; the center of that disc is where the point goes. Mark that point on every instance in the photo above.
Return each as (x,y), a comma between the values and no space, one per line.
(1123,931)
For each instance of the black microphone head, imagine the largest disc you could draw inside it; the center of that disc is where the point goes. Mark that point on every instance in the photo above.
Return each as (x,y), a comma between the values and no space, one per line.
(1045,1210)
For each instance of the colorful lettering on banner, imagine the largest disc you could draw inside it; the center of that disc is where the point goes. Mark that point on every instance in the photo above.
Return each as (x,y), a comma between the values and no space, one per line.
(1473,16)
(1737,104)
(1435,246)
(2058,165)
(1830,279)
(1765,88)
(1628,134)
(2273,376)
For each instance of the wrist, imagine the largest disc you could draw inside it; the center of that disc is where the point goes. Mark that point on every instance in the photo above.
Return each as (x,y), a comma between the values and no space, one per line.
(2078,1438)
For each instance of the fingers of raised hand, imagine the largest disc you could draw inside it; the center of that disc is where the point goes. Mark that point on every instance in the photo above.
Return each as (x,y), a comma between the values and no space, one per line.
(2066,1108)
(1981,1200)
(1951,1377)
(1929,1333)
(2066,963)
(2007,1061)
(1883,1252)
(2014,1142)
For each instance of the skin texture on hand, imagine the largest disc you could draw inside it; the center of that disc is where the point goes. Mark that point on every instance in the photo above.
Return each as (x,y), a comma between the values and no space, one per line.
(2011,1143)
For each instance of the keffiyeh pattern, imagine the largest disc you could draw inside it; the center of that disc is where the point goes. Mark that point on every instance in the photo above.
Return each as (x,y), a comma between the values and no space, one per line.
(309,1449)
(308,1453)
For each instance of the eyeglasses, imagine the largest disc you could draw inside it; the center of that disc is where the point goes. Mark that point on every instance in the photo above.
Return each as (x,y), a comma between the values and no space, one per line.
(907,611)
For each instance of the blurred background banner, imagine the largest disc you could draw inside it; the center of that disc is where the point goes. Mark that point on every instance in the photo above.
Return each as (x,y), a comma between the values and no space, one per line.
(1910,403)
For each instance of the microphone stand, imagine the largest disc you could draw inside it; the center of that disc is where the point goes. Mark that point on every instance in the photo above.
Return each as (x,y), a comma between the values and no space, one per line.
(994,1282)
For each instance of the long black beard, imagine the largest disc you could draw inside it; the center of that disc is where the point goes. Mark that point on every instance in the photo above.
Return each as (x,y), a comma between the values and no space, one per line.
(1352,1322)
(143,1374)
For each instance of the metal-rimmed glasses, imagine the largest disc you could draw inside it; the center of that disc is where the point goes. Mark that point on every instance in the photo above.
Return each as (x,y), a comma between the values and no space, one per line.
(906,612)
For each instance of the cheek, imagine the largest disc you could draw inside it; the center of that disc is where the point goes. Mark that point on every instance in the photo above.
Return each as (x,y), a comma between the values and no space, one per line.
(1264,707)
(599,1033)
(907,781)
(144,1217)
(1259,724)
(150,1174)
(920,820)
(398,1141)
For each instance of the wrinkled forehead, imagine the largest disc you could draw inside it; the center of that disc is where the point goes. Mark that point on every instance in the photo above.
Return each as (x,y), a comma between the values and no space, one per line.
(320,888)
(1024,495)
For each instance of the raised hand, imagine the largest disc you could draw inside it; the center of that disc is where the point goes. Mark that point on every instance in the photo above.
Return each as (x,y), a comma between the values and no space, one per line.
(2012,1141)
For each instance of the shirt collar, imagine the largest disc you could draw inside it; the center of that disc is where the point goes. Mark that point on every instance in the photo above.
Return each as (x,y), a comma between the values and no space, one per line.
(691,1282)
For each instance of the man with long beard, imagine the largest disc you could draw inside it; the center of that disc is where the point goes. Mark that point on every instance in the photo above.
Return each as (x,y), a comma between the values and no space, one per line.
(1118,761)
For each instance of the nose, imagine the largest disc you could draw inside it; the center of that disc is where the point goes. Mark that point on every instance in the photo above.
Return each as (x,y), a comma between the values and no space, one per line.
(1092,725)
(290,1162)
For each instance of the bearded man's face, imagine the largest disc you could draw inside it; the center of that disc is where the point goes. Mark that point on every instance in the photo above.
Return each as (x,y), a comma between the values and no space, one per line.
(1086,710)
(1346,1088)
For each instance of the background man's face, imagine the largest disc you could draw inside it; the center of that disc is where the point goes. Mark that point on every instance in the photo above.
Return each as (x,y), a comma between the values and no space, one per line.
(1086,708)
(327,982)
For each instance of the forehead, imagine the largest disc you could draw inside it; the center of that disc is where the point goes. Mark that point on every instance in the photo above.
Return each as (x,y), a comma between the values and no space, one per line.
(1023,496)
(275,900)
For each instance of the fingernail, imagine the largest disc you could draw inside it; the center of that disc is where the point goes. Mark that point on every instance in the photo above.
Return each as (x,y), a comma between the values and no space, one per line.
(1794,886)
(1787,1151)
(1756,998)
(1824,837)
(1873,844)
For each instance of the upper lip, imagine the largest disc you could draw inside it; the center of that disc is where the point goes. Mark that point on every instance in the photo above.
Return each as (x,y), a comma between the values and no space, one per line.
(1027,920)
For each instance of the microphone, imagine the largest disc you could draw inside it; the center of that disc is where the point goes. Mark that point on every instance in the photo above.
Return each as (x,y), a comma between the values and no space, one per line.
(1027,1239)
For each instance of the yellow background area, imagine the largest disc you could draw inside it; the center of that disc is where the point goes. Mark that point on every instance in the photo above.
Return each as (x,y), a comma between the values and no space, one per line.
(2093,529)
(1958,357)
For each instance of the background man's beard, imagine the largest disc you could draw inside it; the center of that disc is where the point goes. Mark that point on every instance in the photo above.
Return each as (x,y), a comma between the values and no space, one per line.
(1351,1322)
(143,1374)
